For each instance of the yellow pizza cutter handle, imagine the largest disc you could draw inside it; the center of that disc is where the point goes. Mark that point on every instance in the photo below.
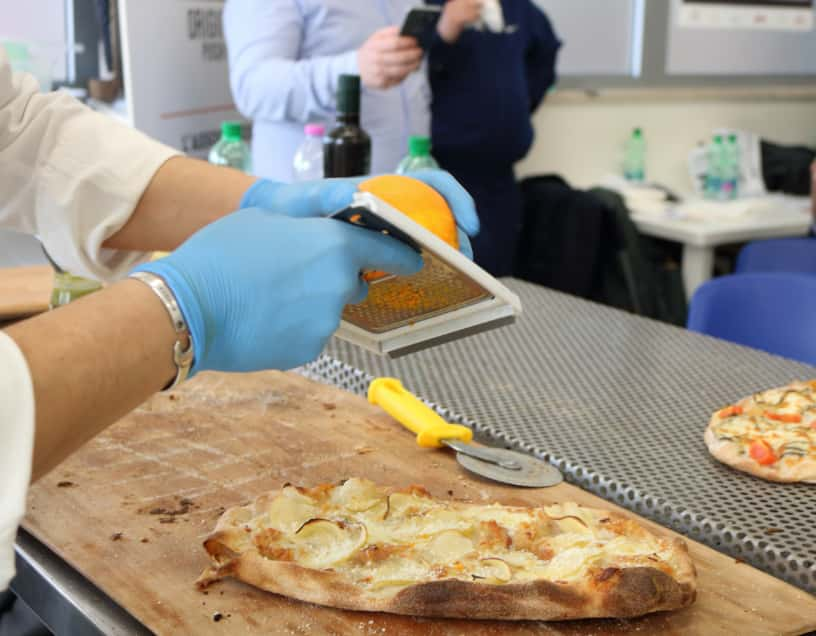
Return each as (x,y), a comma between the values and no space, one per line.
(394,399)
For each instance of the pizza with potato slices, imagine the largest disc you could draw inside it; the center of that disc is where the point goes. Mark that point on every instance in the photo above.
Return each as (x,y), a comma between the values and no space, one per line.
(771,434)
(360,546)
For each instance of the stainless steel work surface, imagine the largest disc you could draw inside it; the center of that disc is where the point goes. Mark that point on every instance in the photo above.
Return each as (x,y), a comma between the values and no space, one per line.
(66,601)
(619,403)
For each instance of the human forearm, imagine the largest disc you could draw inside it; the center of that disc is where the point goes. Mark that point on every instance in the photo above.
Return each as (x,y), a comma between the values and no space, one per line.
(96,359)
(91,362)
(183,196)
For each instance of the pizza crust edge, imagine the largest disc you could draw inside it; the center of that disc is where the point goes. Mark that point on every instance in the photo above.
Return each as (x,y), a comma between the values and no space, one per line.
(728,453)
(624,593)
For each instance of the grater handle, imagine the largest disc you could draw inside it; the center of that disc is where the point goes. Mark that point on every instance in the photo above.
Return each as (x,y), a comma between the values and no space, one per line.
(394,399)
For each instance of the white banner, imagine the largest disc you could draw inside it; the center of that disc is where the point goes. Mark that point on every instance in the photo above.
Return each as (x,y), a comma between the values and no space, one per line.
(176,72)
(738,14)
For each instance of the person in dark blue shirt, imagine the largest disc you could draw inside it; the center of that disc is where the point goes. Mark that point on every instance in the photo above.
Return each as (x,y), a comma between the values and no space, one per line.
(485,86)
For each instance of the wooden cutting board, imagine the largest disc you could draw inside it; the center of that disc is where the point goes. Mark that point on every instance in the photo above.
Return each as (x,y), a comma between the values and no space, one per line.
(131,508)
(25,291)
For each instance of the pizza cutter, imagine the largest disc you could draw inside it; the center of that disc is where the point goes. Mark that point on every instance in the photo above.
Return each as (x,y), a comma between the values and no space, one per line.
(498,464)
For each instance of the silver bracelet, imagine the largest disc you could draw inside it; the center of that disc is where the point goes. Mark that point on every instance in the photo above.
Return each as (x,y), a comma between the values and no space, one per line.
(182,358)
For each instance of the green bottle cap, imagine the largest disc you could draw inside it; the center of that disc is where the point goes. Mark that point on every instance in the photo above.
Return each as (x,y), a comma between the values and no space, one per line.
(348,94)
(231,130)
(718,139)
(732,137)
(16,51)
(637,132)
(419,146)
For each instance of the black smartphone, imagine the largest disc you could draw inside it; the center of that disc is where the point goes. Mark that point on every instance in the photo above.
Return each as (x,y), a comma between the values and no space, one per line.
(420,23)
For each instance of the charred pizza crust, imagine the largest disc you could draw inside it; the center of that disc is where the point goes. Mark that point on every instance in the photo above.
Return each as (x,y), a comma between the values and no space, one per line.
(771,434)
(649,574)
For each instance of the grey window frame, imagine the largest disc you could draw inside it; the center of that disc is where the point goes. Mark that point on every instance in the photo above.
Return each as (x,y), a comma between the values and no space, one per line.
(653,66)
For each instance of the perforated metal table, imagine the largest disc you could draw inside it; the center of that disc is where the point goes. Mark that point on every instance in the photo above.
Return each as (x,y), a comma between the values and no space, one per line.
(619,403)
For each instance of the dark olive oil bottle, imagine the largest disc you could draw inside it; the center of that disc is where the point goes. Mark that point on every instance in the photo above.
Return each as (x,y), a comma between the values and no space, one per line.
(347,148)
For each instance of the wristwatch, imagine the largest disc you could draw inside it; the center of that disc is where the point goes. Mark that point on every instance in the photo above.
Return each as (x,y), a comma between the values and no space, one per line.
(183,358)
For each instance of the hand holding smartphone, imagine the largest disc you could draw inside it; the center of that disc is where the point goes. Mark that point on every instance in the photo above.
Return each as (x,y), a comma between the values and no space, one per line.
(420,23)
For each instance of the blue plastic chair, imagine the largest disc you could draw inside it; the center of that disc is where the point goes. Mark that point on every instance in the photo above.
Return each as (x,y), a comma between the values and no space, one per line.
(778,255)
(774,312)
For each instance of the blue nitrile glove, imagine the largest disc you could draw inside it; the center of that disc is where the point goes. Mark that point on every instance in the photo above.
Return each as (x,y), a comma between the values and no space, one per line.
(322,198)
(265,291)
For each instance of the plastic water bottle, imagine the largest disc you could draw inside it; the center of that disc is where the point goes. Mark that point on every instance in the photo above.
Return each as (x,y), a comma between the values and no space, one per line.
(731,168)
(419,156)
(308,161)
(634,159)
(231,150)
(714,174)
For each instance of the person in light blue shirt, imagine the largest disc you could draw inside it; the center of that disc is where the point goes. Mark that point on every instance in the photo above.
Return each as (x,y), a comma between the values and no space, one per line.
(285,60)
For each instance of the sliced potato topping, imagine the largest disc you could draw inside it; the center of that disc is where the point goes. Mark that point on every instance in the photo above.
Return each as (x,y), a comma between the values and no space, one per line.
(493,570)
(401,504)
(398,572)
(321,543)
(572,525)
(358,495)
(321,530)
(571,562)
(448,546)
(385,541)
(287,513)
(297,494)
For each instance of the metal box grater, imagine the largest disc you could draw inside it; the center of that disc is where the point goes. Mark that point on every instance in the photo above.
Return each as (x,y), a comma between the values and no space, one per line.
(450,297)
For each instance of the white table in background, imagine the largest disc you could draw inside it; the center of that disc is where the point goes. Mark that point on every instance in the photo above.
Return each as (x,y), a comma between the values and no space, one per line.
(790,218)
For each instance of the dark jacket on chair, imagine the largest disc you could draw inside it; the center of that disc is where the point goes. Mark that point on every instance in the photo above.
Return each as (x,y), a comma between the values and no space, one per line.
(584,243)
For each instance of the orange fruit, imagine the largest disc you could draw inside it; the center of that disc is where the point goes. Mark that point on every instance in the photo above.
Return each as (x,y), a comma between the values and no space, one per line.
(416,200)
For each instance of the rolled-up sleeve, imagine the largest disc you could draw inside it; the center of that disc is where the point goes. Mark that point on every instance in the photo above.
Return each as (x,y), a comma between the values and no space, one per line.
(17,433)
(70,175)
(269,82)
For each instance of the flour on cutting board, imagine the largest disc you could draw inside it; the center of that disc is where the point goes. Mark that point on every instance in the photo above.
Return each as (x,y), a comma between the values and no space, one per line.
(189,463)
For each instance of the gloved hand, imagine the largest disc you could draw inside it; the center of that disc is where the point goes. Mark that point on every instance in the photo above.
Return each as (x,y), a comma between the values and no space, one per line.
(265,291)
(321,198)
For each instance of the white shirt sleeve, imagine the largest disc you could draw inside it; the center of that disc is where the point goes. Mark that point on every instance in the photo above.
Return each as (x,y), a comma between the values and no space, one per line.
(70,175)
(17,435)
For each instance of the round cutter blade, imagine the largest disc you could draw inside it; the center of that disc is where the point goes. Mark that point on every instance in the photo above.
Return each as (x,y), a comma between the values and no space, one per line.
(534,473)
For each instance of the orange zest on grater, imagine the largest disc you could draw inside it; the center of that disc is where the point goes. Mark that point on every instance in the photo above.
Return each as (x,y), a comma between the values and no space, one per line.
(449,298)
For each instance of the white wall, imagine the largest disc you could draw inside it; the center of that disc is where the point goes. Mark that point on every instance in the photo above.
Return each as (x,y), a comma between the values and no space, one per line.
(40,23)
(18,249)
(776,49)
(582,139)
(598,35)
